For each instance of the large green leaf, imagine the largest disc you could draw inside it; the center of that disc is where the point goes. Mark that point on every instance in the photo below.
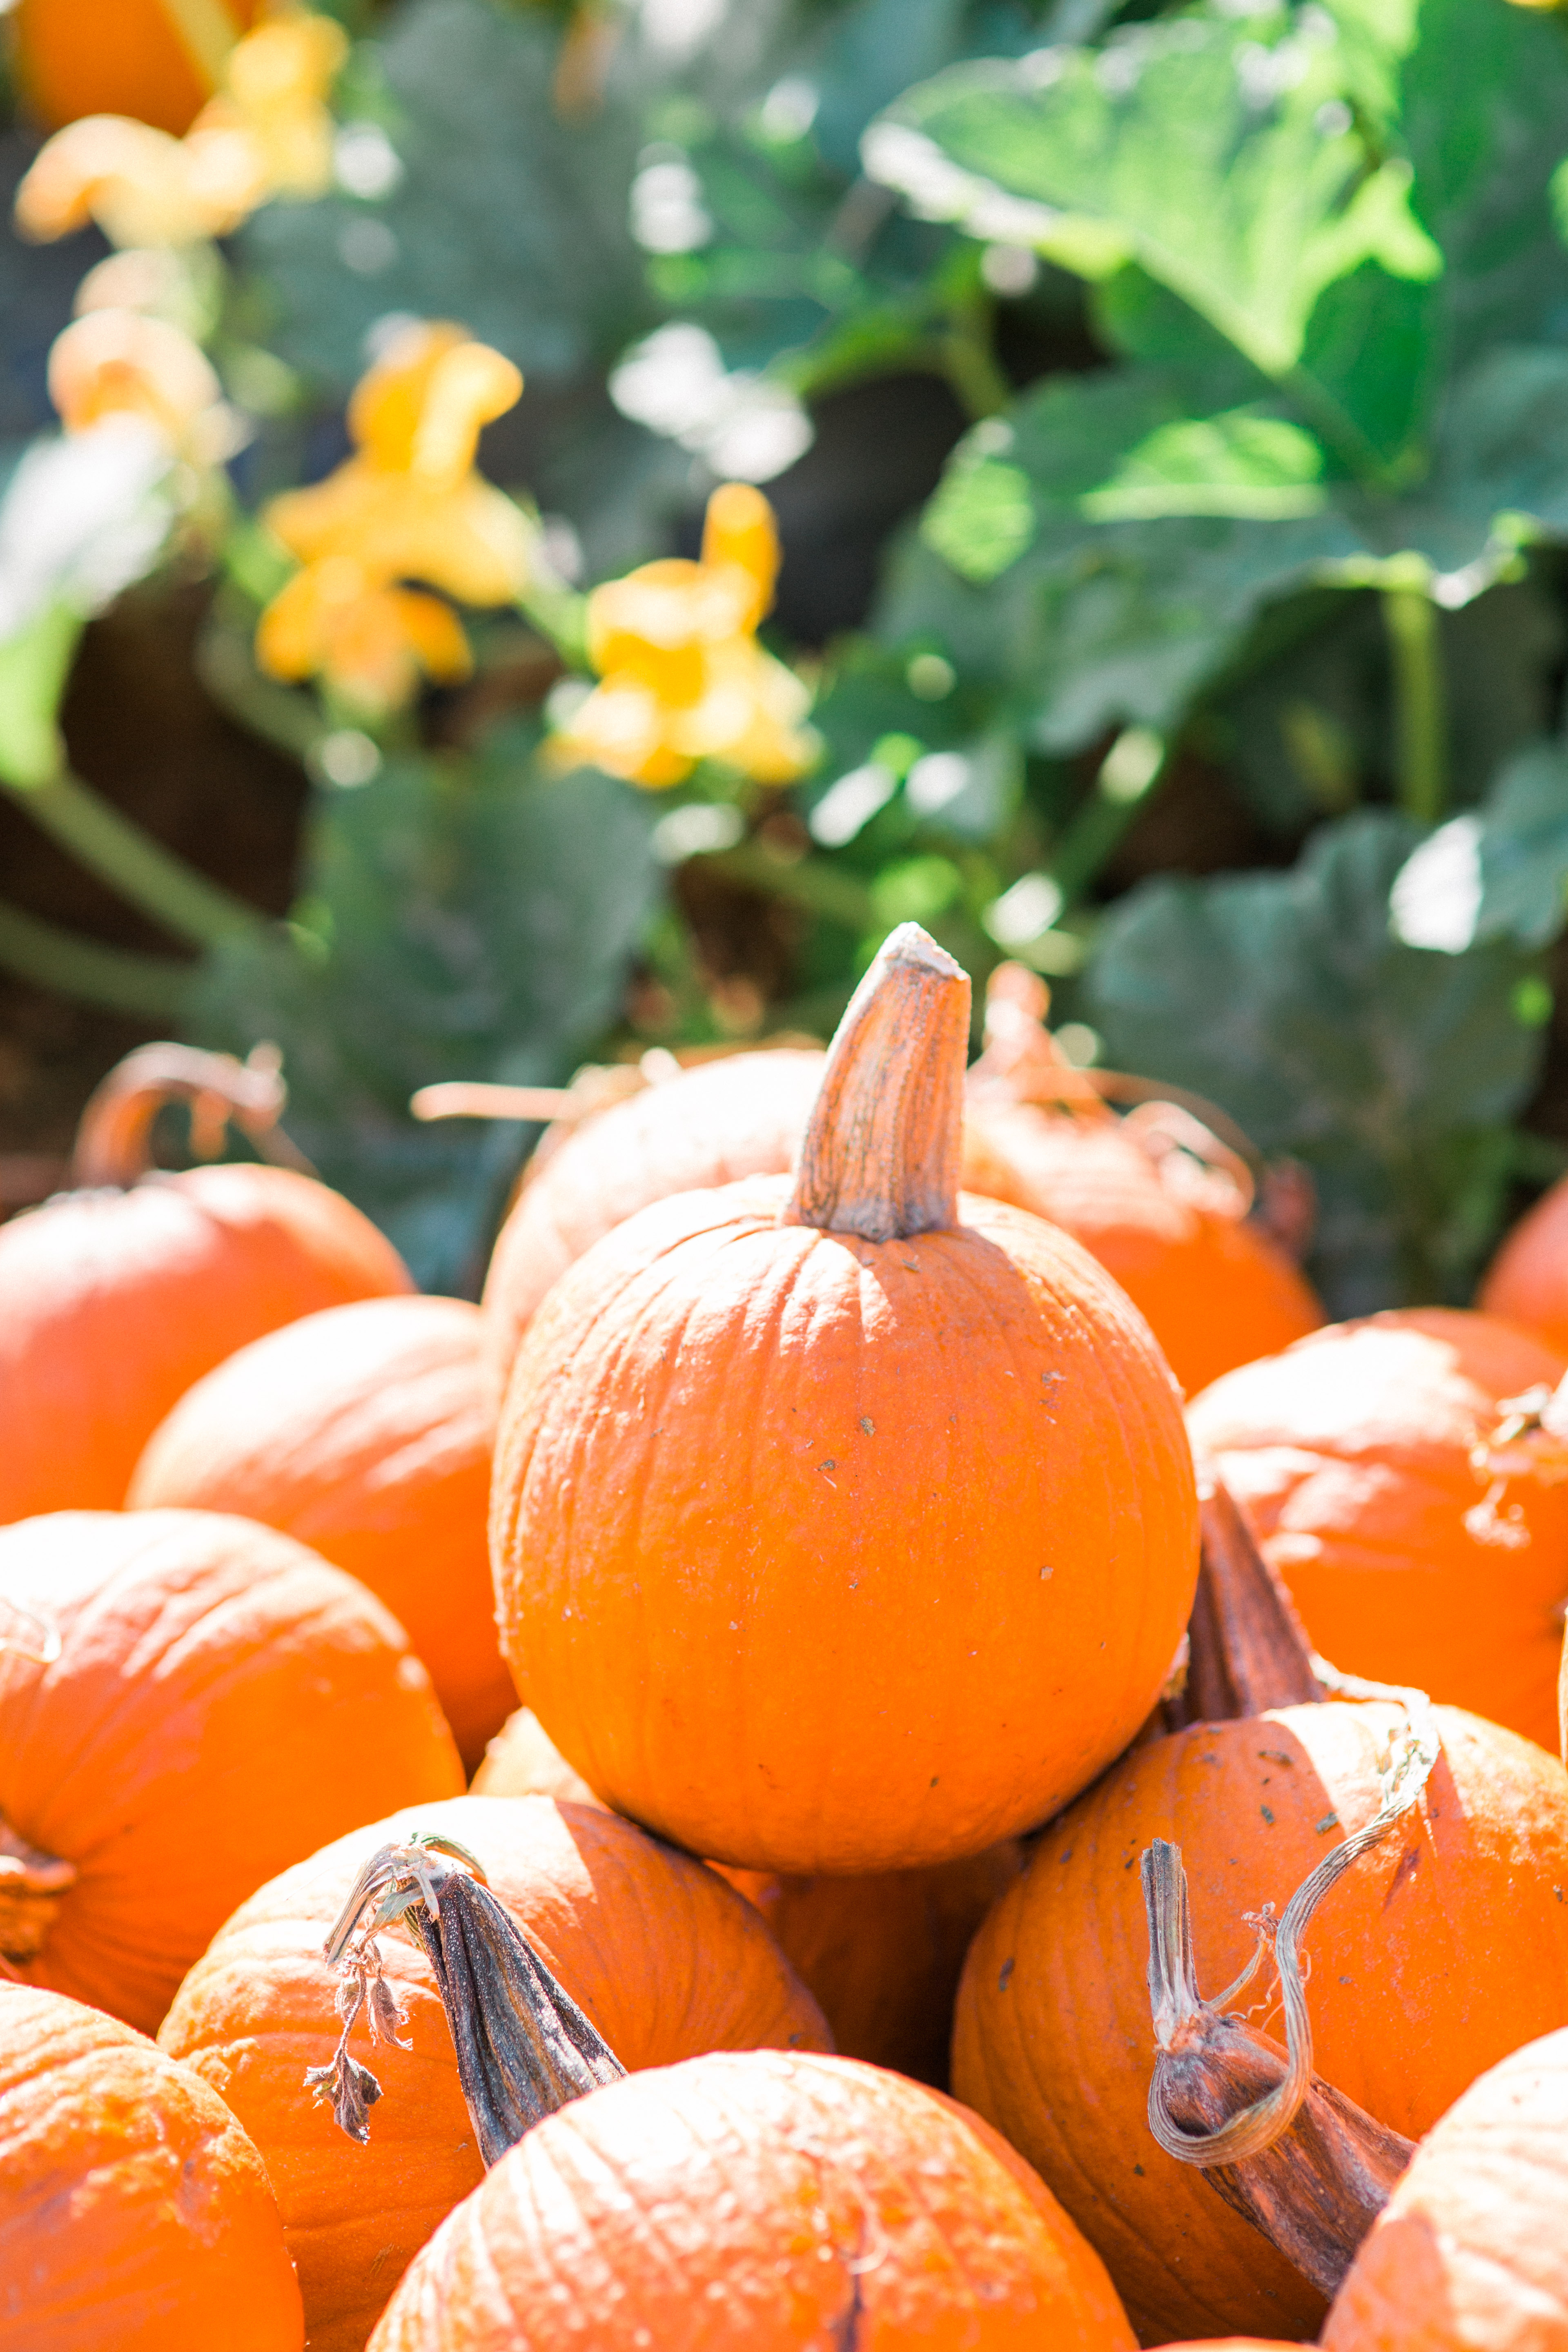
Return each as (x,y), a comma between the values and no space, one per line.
(1217,152)
(459,919)
(1392,1072)
(1499,872)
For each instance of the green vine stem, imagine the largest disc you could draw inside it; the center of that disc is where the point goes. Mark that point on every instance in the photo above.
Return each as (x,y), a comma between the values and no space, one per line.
(135,867)
(150,987)
(1420,760)
(1129,774)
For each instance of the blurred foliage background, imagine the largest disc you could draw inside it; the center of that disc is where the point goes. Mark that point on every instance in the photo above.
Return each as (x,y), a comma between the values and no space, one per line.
(1165,411)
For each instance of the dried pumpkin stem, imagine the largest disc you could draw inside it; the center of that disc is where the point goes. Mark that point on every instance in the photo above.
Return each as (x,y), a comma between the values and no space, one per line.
(1315,2190)
(1172,1987)
(32,1887)
(1247,1649)
(524,2048)
(114,1140)
(881,1154)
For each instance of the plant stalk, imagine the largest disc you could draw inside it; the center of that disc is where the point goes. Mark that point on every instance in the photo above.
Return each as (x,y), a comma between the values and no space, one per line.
(150,987)
(1420,747)
(135,867)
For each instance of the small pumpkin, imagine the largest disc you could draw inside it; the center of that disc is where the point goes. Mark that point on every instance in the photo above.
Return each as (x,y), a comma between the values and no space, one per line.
(1362,1458)
(366,1431)
(1437,1954)
(740,1114)
(844,1526)
(1471,2253)
(122,56)
(1154,1195)
(188,1703)
(523,1761)
(1527,1281)
(768,2198)
(121,1292)
(664,1959)
(134,2213)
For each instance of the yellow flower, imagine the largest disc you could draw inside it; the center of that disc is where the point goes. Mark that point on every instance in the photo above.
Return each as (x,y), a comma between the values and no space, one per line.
(336,620)
(116,363)
(408,505)
(683,677)
(267,132)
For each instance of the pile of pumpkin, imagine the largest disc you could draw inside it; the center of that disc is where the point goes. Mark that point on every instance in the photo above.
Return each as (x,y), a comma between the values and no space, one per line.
(902,1709)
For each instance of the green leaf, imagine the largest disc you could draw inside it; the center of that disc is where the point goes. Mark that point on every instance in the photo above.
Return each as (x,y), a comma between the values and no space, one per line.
(470,919)
(1209,148)
(1394,1072)
(1501,871)
(982,518)
(1243,463)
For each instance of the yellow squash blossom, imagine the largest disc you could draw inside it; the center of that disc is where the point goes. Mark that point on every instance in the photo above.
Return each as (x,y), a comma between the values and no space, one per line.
(683,678)
(267,132)
(336,620)
(408,505)
(115,362)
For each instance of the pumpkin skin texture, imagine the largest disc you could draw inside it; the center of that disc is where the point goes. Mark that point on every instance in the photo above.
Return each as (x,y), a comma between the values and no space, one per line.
(115,1302)
(1437,1953)
(727,2202)
(135,2213)
(1527,1282)
(112,57)
(223,1700)
(884,1954)
(740,1116)
(1349,1456)
(665,1959)
(823,1554)
(1214,1290)
(366,1431)
(1471,2253)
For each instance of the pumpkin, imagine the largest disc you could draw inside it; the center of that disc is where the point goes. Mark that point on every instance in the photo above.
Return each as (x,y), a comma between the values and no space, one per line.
(187,1704)
(1355,1457)
(1436,1955)
(1154,1196)
(883,1953)
(366,1431)
(134,2213)
(523,1761)
(664,1959)
(1471,2253)
(1527,1281)
(742,1115)
(844,1526)
(120,56)
(770,2200)
(122,1293)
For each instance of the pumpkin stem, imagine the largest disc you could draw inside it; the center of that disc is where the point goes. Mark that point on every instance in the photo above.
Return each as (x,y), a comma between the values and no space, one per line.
(114,1140)
(1314,2183)
(1248,1648)
(881,1156)
(1172,1986)
(32,1887)
(524,2048)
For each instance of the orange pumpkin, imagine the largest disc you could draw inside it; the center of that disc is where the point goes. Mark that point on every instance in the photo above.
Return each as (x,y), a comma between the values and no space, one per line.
(1352,1455)
(123,56)
(366,1431)
(187,1704)
(1437,1954)
(134,2212)
(1154,1196)
(665,1960)
(883,1954)
(778,2201)
(1471,2253)
(1527,1281)
(523,1761)
(118,1294)
(742,1115)
(844,1529)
